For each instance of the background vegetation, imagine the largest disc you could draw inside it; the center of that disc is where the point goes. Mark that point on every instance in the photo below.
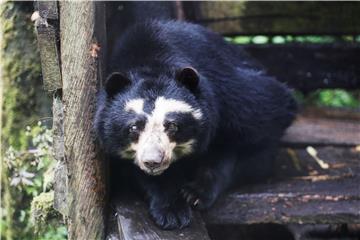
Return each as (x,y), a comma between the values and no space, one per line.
(26,120)
(322,97)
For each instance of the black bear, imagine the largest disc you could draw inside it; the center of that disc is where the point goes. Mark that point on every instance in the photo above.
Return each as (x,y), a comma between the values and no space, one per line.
(188,115)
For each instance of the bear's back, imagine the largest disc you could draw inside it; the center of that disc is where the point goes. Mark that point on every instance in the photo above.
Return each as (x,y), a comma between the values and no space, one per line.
(175,43)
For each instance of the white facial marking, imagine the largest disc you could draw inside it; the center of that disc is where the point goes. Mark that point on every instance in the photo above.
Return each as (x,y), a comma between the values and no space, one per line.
(164,106)
(129,152)
(136,105)
(197,114)
(183,149)
(154,138)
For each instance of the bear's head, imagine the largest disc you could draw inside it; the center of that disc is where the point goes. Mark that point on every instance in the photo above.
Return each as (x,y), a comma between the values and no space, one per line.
(153,119)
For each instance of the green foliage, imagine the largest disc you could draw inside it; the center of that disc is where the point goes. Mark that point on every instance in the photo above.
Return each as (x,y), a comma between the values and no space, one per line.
(54,233)
(283,39)
(329,98)
(42,210)
(21,72)
(23,102)
(26,169)
(260,39)
(335,98)
(241,40)
(357,38)
(278,40)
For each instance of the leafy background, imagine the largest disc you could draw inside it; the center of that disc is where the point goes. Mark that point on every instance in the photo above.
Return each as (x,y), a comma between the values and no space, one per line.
(26,139)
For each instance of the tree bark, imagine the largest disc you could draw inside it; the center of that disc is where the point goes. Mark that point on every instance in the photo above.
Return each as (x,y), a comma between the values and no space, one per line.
(81,74)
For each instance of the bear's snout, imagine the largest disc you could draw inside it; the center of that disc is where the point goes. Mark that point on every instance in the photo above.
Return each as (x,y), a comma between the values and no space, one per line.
(153,159)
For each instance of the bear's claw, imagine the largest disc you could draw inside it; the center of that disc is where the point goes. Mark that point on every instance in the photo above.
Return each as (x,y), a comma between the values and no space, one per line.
(196,197)
(175,216)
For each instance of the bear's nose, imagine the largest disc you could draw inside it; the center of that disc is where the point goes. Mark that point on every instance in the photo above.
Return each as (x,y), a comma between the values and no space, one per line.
(152,164)
(153,160)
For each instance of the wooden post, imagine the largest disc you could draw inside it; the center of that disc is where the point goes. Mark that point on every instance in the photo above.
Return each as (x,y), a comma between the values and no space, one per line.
(46,20)
(82,26)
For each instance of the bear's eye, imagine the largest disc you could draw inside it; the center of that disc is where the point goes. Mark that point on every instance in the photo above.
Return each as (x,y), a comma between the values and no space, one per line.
(134,132)
(133,128)
(171,127)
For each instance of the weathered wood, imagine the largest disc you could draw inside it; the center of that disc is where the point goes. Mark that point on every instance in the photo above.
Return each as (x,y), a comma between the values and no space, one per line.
(331,113)
(247,17)
(289,231)
(61,173)
(307,67)
(134,223)
(81,67)
(286,207)
(300,192)
(321,131)
(47,9)
(48,44)
(49,57)
(323,231)
(298,164)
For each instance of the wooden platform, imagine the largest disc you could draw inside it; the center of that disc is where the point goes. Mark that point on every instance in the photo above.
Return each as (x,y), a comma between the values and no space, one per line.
(302,190)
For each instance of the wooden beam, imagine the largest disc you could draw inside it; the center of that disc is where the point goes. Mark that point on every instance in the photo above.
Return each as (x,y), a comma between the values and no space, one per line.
(254,18)
(82,66)
(134,223)
(48,43)
(308,67)
(301,192)
(312,131)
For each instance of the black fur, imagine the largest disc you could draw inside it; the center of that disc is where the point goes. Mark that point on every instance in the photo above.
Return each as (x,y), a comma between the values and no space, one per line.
(245,113)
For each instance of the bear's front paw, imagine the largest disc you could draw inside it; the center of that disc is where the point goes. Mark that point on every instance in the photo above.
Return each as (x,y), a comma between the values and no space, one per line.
(171,216)
(199,196)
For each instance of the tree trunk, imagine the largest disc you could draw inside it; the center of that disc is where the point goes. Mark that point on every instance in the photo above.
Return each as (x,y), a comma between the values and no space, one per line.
(82,31)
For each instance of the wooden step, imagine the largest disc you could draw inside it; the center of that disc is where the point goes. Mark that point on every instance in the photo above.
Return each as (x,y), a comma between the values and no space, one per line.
(133,222)
(302,191)
(313,131)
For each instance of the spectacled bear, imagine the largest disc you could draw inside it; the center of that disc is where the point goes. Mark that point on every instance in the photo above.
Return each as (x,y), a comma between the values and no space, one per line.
(188,115)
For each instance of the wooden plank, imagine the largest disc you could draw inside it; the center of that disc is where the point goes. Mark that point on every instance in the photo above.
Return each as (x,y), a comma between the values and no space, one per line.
(306,193)
(287,207)
(81,72)
(289,231)
(247,17)
(50,66)
(307,131)
(60,175)
(331,113)
(48,44)
(307,67)
(134,223)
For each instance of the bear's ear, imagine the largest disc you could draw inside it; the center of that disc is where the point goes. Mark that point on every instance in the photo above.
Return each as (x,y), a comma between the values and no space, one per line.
(115,83)
(189,77)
